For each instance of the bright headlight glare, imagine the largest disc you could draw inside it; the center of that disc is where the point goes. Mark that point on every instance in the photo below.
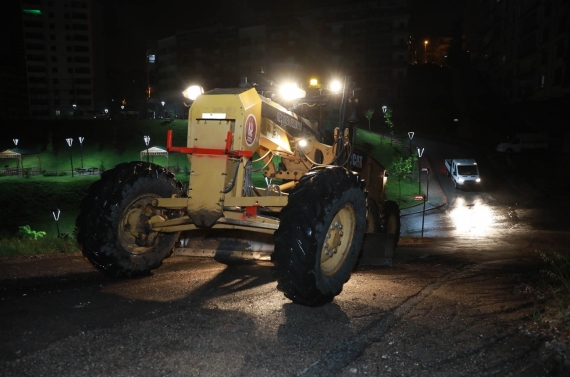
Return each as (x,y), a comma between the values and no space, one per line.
(335,86)
(478,180)
(302,143)
(291,92)
(461,180)
(193,92)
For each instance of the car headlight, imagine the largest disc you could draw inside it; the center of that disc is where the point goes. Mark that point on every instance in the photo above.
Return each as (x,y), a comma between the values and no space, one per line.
(461,180)
(478,180)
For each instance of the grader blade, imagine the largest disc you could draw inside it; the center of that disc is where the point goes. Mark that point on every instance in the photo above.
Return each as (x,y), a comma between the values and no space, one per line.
(224,245)
(377,248)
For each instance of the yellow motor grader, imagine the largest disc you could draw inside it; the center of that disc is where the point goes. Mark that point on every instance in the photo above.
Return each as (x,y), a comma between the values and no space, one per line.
(310,219)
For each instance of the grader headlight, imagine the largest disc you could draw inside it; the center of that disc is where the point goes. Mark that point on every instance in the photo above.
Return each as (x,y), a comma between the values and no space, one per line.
(192,92)
(290,92)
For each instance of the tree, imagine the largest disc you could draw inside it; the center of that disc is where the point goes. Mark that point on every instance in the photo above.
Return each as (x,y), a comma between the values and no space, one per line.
(399,168)
(368,115)
(388,120)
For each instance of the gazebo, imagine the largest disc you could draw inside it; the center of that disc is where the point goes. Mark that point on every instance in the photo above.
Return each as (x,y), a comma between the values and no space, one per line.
(19,154)
(155,151)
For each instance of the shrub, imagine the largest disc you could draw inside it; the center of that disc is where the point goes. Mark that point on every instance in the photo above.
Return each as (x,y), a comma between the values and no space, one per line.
(26,233)
(557,271)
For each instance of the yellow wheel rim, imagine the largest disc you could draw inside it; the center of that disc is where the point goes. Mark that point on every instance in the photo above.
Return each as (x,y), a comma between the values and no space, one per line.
(134,233)
(338,240)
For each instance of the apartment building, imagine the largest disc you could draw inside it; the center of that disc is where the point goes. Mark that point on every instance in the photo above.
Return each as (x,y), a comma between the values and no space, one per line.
(64,59)
(524,45)
(366,40)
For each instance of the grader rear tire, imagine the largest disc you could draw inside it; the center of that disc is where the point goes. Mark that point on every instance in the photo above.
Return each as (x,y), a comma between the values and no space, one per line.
(320,236)
(390,223)
(113,221)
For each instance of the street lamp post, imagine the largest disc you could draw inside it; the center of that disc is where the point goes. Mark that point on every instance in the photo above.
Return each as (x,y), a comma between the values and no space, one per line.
(81,138)
(384,109)
(69,142)
(163,113)
(420,153)
(55,214)
(411,136)
(426,196)
(426,170)
(16,144)
(425,51)
(147,141)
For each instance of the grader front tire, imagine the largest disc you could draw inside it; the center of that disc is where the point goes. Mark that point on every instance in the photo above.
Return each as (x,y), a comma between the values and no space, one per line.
(320,236)
(113,227)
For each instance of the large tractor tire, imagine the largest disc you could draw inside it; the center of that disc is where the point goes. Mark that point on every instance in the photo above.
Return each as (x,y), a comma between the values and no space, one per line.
(319,236)
(113,227)
(390,224)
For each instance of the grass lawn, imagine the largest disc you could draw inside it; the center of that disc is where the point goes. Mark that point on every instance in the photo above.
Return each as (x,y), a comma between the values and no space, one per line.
(383,151)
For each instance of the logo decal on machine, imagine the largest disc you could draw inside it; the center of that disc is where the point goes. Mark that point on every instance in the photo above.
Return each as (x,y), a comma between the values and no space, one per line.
(250,130)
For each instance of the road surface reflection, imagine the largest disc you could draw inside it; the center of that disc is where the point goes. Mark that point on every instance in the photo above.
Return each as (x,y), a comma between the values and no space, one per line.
(475,218)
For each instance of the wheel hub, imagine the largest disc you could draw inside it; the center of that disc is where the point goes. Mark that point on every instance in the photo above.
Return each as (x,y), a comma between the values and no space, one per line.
(135,234)
(337,240)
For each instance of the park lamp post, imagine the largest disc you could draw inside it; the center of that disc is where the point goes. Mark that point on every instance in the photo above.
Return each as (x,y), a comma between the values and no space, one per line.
(55,214)
(426,196)
(384,109)
(163,113)
(69,142)
(81,138)
(426,171)
(147,141)
(411,136)
(420,154)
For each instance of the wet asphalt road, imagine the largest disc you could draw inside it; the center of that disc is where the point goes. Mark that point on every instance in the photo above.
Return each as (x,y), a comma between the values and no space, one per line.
(448,307)
(459,302)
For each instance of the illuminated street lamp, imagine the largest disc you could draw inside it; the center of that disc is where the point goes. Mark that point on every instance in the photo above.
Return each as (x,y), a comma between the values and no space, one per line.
(425,50)
(384,110)
(411,136)
(55,214)
(163,113)
(81,138)
(420,153)
(69,142)
(147,141)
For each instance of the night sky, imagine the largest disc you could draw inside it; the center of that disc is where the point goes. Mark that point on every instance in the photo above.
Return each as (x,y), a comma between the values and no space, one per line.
(130,24)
